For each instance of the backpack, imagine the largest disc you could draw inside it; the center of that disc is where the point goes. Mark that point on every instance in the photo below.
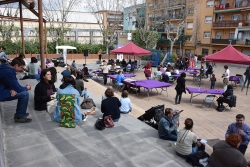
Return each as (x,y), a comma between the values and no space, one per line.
(159,112)
(87,103)
(108,121)
(99,124)
(200,159)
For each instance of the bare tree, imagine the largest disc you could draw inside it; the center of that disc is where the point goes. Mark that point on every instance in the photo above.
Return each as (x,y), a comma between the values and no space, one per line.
(170,15)
(102,10)
(57,13)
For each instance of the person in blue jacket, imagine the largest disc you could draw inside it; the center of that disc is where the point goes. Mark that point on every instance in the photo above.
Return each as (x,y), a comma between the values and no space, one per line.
(10,89)
(119,78)
(65,94)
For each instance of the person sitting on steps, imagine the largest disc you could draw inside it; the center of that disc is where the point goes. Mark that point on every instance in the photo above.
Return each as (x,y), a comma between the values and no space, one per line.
(167,128)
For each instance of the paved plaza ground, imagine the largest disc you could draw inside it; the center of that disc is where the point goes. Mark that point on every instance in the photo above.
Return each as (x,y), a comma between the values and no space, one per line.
(208,123)
(129,143)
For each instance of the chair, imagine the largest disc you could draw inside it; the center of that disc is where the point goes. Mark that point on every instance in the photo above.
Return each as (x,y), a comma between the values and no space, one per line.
(230,101)
(158,77)
(209,99)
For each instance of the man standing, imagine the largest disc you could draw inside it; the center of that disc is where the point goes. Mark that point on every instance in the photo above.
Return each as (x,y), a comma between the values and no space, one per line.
(10,89)
(3,56)
(167,128)
(241,129)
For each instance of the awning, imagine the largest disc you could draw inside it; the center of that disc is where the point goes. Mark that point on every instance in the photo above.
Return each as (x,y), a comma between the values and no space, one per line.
(243,29)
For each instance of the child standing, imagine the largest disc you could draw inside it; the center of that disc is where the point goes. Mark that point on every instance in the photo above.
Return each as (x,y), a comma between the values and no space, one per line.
(213,80)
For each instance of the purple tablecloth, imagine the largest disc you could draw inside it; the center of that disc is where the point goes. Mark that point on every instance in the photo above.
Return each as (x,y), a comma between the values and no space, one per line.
(234,78)
(150,84)
(205,90)
(196,68)
(189,71)
(176,75)
(125,75)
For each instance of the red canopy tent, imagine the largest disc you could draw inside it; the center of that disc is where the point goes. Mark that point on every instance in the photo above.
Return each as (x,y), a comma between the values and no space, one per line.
(228,55)
(131,49)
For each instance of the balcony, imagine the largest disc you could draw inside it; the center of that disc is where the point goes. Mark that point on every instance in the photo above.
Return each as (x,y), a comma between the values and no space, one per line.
(230,23)
(243,41)
(224,41)
(228,6)
(167,42)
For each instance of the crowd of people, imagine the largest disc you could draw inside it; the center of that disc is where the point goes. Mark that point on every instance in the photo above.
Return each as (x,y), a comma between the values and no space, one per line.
(68,111)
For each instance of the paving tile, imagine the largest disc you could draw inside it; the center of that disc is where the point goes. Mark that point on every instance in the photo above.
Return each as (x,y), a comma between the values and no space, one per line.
(96,136)
(115,131)
(125,139)
(152,158)
(71,145)
(63,133)
(23,141)
(127,164)
(137,148)
(45,163)
(109,164)
(104,145)
(44,117)
(21,156)
(22,129)
(50,125)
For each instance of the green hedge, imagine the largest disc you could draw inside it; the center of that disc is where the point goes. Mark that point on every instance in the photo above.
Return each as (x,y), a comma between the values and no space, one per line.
(33,47)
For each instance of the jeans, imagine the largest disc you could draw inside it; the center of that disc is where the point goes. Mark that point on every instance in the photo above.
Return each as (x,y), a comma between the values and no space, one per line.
(212,85)
(116,120)
(105,78)
(194,150)
(208,73)
(242,149)
(178,98)
(37,77)
(85,94)
(247,79)
(172,136)
(22,103)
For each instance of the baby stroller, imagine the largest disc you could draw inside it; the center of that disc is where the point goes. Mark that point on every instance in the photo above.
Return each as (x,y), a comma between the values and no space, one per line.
(153,116)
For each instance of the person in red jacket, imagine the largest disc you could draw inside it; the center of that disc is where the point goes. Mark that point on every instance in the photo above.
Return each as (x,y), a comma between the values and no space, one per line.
(147,73)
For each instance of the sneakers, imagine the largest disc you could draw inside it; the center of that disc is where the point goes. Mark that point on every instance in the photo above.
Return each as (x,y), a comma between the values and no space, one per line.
(26,115)
(23,120)
(84,117)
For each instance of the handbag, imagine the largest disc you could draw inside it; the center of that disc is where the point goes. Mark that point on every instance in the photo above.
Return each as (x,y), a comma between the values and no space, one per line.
(108,121)
(99,124)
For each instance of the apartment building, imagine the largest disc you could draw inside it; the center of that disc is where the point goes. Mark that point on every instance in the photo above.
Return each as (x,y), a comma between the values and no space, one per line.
(231,24)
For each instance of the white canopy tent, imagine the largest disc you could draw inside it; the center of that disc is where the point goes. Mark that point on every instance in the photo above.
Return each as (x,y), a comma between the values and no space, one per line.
(65,51)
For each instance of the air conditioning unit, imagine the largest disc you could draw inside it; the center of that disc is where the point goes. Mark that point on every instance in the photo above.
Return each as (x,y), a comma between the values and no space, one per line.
(240,25)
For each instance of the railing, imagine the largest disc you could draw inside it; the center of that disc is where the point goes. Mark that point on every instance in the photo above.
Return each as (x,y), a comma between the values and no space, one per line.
(167,42)
(243,41)
(227,6)
(230,23)
(224,41)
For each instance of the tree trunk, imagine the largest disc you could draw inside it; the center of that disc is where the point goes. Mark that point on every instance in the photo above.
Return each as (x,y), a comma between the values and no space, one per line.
(171,47)
(170,53)
(56,45)
(107,50)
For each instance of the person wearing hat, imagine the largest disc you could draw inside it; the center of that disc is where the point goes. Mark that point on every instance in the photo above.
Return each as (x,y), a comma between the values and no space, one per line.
(225,153)
(242,129)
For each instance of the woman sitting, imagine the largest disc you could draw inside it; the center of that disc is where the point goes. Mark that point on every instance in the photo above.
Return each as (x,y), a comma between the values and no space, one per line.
(43,90)
(68,110)
(185,139)
(224,97)
(33,68)
(126,106)
(110,105)
(225,153)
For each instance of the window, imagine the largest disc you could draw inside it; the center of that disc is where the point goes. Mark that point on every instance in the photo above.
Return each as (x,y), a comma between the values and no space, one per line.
(189,25)
(207,34)
(204,51)
(237,17)
(214,51)
(231,35)
(178,51)
(218,35)
(191,11)
(210,4)
(187,51)
(220,18)
(208,19)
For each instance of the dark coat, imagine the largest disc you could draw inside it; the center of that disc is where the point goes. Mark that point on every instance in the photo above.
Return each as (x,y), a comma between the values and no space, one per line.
(41,97)
(181,85)
(110,106)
